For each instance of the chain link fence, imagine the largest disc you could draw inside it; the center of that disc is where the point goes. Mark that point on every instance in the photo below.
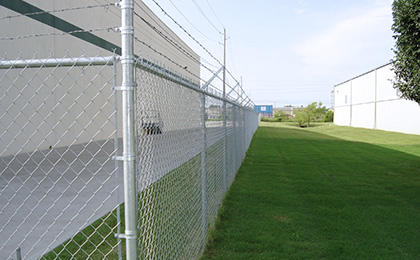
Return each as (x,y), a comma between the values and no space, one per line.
(187,160)
(58,134)
(61,189)
(63,156)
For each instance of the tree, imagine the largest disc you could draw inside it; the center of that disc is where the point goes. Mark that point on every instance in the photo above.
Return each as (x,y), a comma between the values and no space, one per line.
(406,64)
(311,113)
(329,116)
(280,116)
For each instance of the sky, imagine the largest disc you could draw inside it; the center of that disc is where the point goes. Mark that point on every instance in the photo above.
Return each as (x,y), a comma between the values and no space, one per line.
(287,52)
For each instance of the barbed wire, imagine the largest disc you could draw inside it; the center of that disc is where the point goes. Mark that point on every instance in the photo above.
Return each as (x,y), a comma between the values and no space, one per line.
(165,37)
(57,10)
(184,51)
(114,29)
(164,30)
(177,64)
(177,46)
(192,37)
(192,23)
(166,57)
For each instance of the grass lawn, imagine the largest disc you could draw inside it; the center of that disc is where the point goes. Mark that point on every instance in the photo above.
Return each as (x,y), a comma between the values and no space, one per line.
(326,192)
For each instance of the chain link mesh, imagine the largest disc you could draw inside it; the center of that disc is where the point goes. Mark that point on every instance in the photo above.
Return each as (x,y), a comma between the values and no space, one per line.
(61,180)
(57,177)
(60,186)
(186,162)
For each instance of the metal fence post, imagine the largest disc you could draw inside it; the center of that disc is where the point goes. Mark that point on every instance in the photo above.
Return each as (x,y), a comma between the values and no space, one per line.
(225,170)
(128,119)
(118,172)
(244,134)
(224,114)
(235,152)
(203,167)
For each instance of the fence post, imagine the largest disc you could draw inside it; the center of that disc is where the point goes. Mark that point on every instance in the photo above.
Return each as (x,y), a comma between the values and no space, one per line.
(224,114)
(203,167)
(235,152)
(244,134)
(128,119)
(118,171)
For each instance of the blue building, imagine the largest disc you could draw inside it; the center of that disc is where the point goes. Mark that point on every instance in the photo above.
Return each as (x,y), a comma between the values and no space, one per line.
(264,110)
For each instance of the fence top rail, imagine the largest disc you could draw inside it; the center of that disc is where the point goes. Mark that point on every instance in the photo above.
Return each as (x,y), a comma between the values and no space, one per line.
(110,60)
(162,72)
(54,62)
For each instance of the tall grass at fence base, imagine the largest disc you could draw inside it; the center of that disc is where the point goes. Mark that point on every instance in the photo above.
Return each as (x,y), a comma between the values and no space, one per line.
(322,193)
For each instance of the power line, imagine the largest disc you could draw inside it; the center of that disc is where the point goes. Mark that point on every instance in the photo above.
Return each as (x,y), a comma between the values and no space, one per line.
(192,23)
(214,13)
(231,54)
(201,11)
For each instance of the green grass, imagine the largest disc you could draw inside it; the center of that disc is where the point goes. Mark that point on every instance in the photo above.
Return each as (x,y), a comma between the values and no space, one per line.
(325,192)
(97,241)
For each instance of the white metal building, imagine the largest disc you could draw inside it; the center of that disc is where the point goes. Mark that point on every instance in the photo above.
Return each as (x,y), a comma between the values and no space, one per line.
(370,101)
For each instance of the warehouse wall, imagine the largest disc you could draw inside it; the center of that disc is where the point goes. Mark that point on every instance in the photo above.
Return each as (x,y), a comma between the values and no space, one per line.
(69,91)
(370,101)
(87,19)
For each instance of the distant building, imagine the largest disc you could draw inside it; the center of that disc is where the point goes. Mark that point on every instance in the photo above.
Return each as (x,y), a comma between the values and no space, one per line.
(264,110)
(290,112)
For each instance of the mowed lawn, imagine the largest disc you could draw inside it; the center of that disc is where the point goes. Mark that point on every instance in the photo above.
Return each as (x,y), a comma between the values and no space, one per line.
(327,192)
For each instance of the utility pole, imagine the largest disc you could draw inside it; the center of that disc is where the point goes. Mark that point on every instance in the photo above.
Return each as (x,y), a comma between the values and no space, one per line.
(224,62)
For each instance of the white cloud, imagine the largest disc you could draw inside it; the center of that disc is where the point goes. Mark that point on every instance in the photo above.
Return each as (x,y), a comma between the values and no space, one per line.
(347,39)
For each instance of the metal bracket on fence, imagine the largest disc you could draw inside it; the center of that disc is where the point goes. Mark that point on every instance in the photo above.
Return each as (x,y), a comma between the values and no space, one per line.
(249,100)
(206,85)
(124,158)
(124,236)
(233,89)
(124,88)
